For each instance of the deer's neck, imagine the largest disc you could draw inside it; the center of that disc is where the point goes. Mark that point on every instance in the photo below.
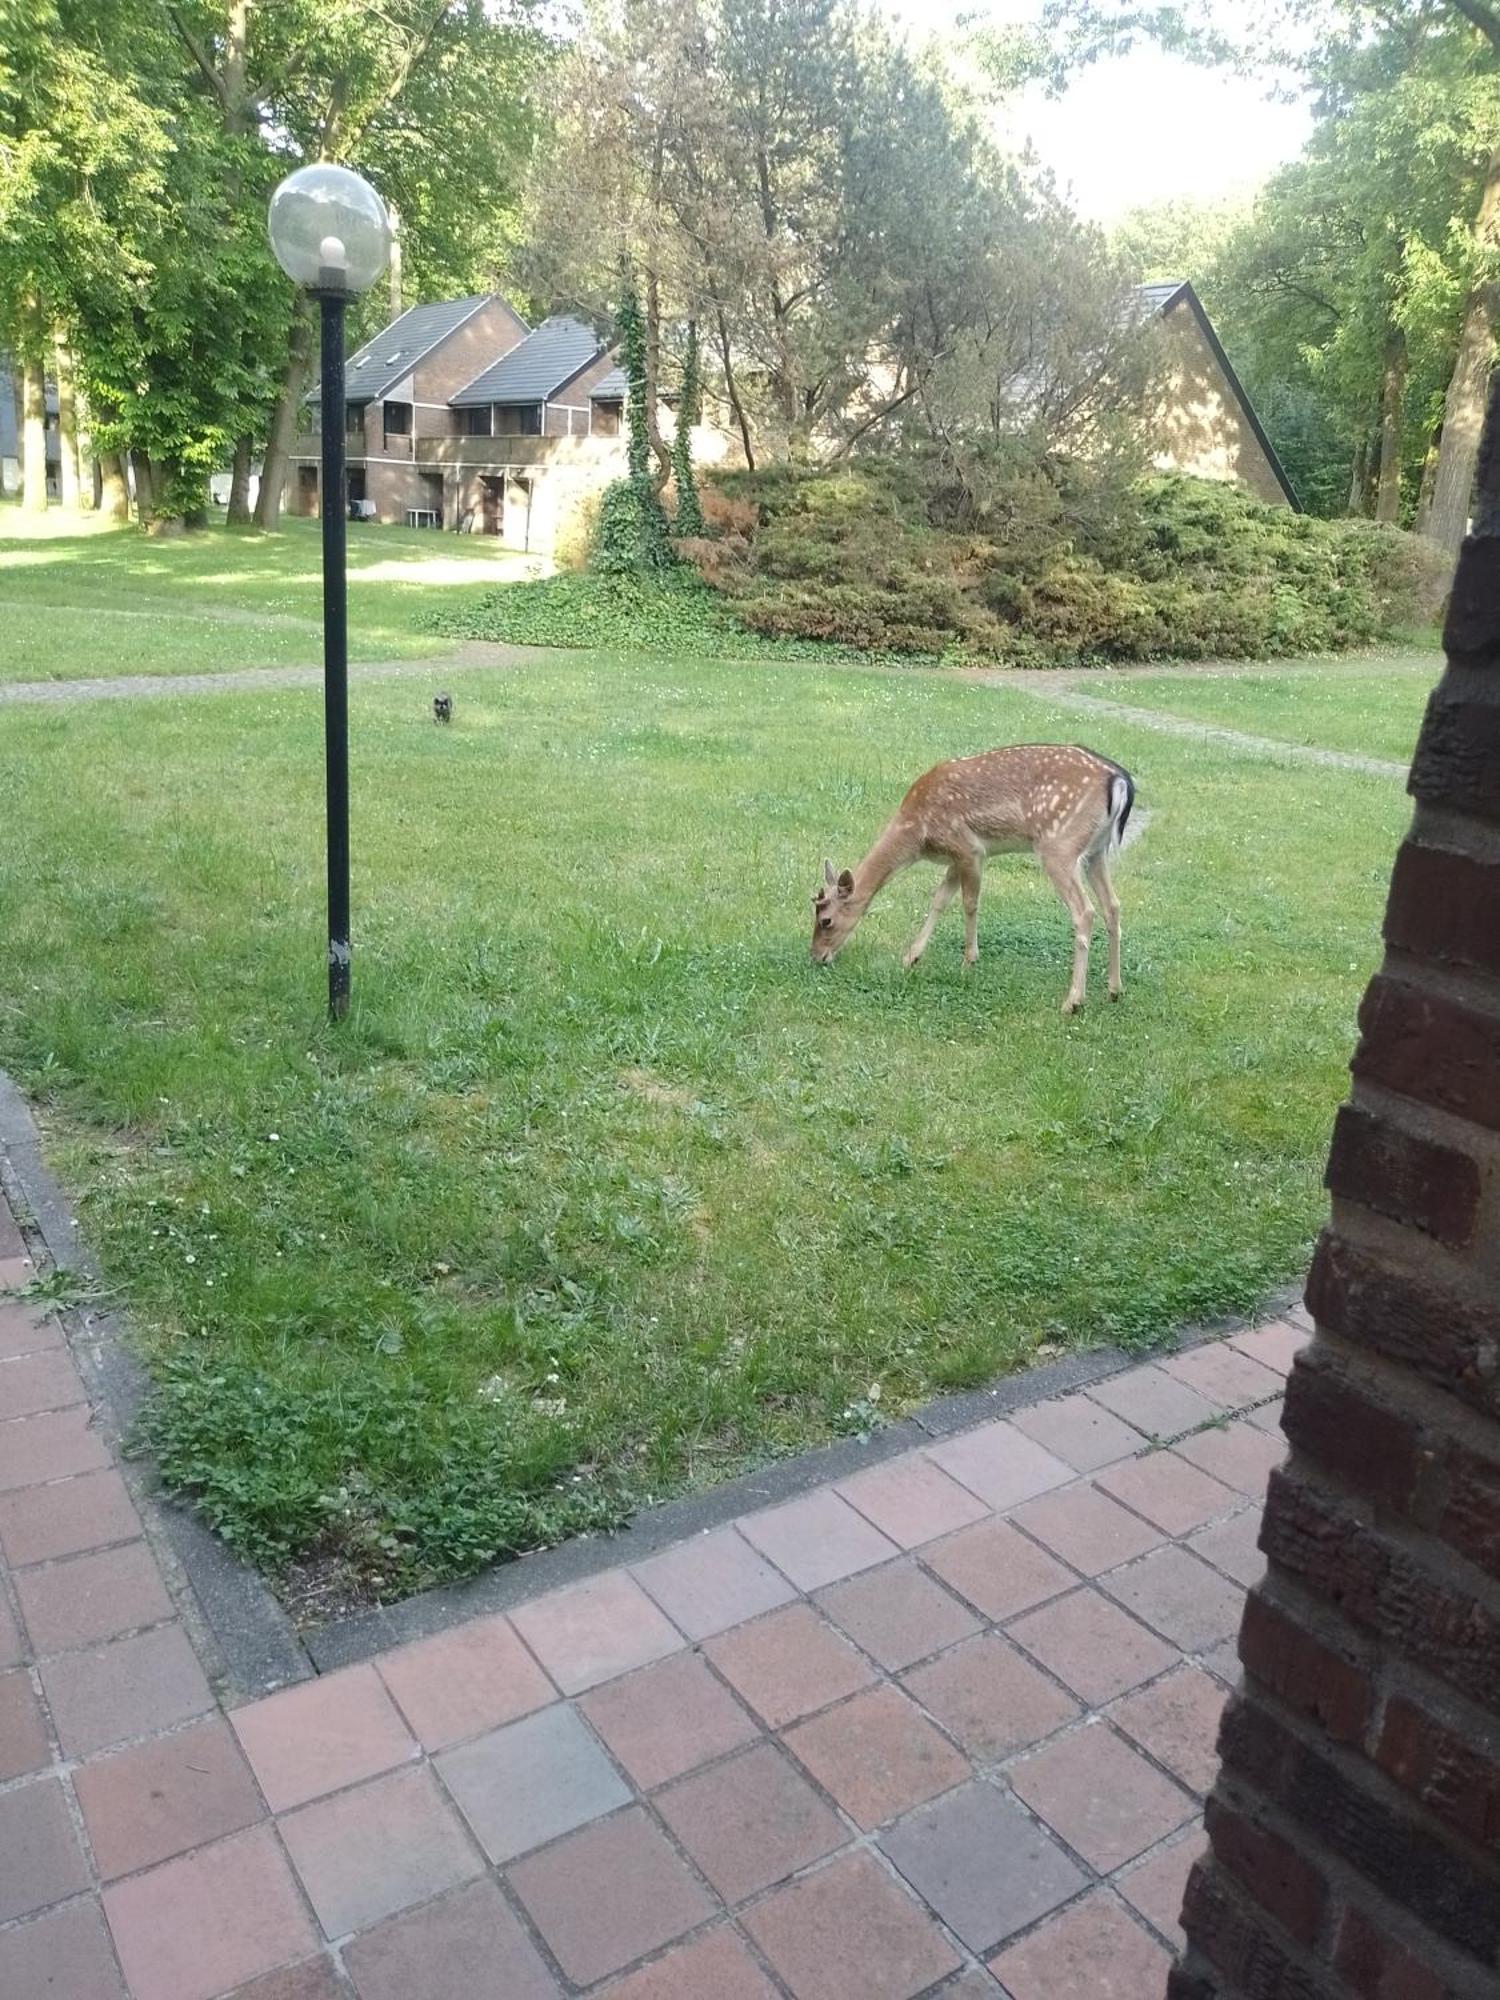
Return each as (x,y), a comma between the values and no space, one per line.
(896,848)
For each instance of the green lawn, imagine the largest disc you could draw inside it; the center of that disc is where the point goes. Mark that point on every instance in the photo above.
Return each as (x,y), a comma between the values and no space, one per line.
(603,1190)
(1339,707)
(101,603)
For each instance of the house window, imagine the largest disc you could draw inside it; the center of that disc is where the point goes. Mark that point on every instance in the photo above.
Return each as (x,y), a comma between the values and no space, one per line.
(477,422)
(354,420)
(398,420)
(518,420)
(607,417)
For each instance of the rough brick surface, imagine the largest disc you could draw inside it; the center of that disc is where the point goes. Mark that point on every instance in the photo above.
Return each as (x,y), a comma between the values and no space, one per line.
(1451,1338)
(1431,1047)
(1370,1447)
(1434,1188)
(1308,1675)
(1445,905)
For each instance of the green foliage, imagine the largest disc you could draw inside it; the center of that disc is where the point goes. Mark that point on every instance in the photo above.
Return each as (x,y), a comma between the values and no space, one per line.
(631,536)
(689,522)
(1173,568)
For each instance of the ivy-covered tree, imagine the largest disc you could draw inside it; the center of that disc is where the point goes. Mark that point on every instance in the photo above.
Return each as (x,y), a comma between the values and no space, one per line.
(690,520)
(632,535)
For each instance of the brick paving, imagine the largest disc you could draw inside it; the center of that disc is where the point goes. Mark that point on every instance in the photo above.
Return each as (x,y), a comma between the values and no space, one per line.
(943,1727)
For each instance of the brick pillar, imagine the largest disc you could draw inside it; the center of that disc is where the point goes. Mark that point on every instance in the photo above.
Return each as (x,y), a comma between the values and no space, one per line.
(1355,1825)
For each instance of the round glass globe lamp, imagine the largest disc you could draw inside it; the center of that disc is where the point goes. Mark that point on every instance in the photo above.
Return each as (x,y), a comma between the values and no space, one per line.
(329,230)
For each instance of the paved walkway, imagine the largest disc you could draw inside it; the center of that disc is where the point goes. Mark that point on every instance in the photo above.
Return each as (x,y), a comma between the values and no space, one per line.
(944,1728)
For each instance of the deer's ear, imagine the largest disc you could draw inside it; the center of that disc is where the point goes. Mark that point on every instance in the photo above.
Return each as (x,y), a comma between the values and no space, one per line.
(828,875)
(846,882)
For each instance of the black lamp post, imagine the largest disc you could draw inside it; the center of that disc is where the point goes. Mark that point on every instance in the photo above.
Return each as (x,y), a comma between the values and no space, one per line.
(332,236)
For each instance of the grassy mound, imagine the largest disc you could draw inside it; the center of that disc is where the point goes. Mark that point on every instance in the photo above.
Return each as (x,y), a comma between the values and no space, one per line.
(890,561)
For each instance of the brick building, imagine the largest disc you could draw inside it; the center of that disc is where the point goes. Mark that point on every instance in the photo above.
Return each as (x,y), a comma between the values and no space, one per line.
(461,417)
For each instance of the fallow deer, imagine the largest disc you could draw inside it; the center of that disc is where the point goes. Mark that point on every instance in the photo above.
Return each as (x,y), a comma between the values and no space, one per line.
(1067,804)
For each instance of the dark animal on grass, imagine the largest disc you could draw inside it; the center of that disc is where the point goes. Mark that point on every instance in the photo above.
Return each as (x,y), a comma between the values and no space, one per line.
(1067,804)
(442,708)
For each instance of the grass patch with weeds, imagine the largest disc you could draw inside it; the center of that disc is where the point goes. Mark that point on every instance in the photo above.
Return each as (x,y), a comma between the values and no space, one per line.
(604,1191)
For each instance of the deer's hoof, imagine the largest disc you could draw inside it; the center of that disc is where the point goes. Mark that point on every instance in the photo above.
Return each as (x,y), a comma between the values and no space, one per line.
(1116,993)
(1071,1007)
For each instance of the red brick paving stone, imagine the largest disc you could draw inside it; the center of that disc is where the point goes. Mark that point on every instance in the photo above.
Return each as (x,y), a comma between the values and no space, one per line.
(531,1781)
(466,1680)
(898,1614)
(879,1756)
(1176,1496)
(717,1965)
(609,1895)
(1223,1374)
(668,1719)
(368,1853)
(1095,1951)
(912,1500)
(158,1799)
(712,1582)
(1154,1402)
(818,1539)
(1267,1417)
(130,1687)
(51,1446)
(849,1932)
(92,1597)
(1155,1886)
(1103,1798)
(23,1733)
(983,1864)
(751,1822)
(1087,1529)
(1178,1595)
(1177,1720)
(1092,1646)
(1078,1431)
(1233,1546)
(997,1569)
(25,1330)
(42,1523)
(65,1955)
(1241,1455)
(313,1979)
(1275,1346)
(789,1664)
(469,1946)
(33,1382)
(1224,1662)
(210,1921)
(1001,1464)
(43,1860)
(991,1699)
(595,1630)
(321,1735)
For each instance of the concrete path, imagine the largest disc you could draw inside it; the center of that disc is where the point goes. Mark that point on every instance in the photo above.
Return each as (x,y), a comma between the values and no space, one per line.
(944,1727)
(156,687)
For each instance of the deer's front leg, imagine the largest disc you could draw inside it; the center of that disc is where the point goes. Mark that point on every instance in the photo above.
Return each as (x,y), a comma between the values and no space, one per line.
(942,896)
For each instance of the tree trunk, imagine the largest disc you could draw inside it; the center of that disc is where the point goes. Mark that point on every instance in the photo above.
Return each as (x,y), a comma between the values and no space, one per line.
(1463,411)
(1357,477)
(394,266)
(732,387)
(274,466)
(145,487)
(238,512)
(114,493)
(1428,481)
(70,480)
(33,437)
(1392,408)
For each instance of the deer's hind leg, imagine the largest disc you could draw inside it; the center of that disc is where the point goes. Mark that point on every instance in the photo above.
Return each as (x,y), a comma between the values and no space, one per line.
(1097,870)
(1064,872)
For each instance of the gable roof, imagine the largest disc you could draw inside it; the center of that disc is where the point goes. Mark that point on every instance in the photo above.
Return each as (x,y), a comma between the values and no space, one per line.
(391,354)
(612,388)
(556,351)
(1159,299)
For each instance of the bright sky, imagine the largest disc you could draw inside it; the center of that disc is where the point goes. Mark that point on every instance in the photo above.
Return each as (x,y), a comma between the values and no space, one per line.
(1139,129)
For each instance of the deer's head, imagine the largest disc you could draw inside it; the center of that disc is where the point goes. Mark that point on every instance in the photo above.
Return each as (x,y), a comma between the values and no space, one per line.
(835,914)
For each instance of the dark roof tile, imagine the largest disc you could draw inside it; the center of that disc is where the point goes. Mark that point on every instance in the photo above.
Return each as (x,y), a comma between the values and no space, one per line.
(551,355)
